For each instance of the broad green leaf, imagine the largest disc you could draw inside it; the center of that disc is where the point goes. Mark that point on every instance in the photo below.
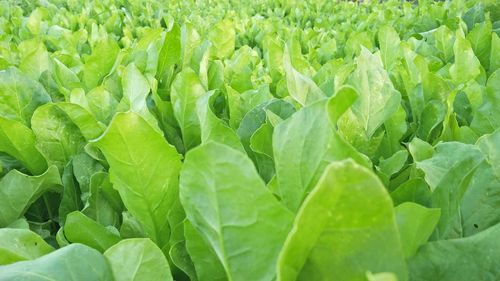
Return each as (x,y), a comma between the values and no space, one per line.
(19,141)
(390,166)
(58,138)
(420,150)
(71,263)
(474,15)
(300,87)
(444,38)
(182,260)
(137,259)
(190,39)
(303,145)
(466,66)
(471,258)
(381,276)
(389,41)
(21,244)
(83,119)
(253,121)
(65,77)
(144,175)
(414,190)
(104,204)
(247,103)
(206,262)
(262,140)
(170,55)
(20,96)
(18,191)
(102,104)
(84,167)
(100,62)
(448,173)
(487,118)
(186,90)
(135,92)
(378,99)
(82,229)
(223,38)
(480,40)
(480,200)
(340,102)
(447,159)
(339,233)
(34,58)
(416,224)
(395,129)
(495,52)
(131,228)
(71,194)
(240,220)
(300,144)
(213,128)
(490,147)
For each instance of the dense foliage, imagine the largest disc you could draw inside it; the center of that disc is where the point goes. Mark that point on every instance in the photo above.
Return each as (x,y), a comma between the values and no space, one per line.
(217,140)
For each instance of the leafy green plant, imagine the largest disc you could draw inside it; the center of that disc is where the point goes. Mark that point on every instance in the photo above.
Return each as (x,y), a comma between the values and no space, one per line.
(283,140)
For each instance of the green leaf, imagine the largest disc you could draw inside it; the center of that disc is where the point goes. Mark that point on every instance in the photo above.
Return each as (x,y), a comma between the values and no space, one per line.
(301,88)
(71,263)
(300,144)
(262,140)
(104,204)
(20,96)
(303,146)
(339,103)
(416,224)
(18,191)
(205,260)
(487,118)
(389,42)
(102,104)
(100,62)
(448,173)
(495,52)
(240,220)
(82,229)
(474,15)
(58,138)
(34,58)
(19,141)
(480,40)
(490,147)
(339,233)
(170,55)
(471,258)
(137,259)
(480,200)
(144,175)
(186,90)
(223,37)
(414,190)
(21,244)
(213,128)
(252,122)
(466,66)
(392,165)
(378,99)
(71,194)
(135,92)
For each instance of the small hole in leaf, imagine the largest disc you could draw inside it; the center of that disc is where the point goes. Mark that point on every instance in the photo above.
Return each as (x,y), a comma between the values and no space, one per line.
(36,243)
(476,226)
